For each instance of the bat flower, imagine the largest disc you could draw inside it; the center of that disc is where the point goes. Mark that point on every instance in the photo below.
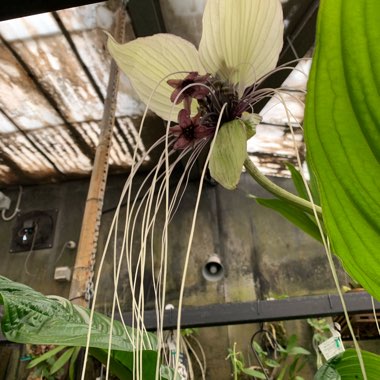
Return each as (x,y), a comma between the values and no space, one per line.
(184,92)
(241,41)
(189,130)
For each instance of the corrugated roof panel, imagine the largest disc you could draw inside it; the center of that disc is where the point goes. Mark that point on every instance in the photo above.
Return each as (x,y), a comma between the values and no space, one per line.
(130,130)
(20,98)
(57,69)
(91,47)
(29,27)
(88,17)
(284,109)
(61,149)
(5,125)
(26,156)
(275,140)
(90,132)
(86,25)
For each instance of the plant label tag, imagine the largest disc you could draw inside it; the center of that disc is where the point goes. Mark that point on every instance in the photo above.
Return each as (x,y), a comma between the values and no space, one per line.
(332,347)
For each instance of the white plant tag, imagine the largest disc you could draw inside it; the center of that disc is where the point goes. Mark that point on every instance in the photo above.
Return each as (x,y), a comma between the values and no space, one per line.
(332,346)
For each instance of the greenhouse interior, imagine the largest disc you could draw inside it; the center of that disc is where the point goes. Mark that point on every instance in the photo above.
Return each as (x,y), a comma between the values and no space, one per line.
(190,190)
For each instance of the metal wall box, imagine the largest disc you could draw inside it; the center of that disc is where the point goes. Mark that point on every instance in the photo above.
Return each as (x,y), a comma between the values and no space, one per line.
(33,230)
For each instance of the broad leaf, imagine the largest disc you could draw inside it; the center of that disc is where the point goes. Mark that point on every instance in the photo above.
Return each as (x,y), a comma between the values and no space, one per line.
(342,131)
(347,367)
(30,317)
(229,154)
(296,216)
(253,372)
(116,368)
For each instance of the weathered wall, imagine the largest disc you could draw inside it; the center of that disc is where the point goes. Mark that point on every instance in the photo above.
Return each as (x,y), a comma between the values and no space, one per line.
(263,255)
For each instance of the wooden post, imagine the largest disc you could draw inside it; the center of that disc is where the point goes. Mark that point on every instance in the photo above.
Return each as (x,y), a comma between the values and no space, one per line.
(85,260)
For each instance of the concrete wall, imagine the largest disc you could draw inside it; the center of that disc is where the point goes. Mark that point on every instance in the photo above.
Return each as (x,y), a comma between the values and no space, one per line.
(263,255)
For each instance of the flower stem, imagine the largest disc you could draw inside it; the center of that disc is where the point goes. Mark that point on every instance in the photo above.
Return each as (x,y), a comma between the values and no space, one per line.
(279,192)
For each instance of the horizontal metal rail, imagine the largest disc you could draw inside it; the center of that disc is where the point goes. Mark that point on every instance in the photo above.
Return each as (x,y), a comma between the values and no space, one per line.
(261,311)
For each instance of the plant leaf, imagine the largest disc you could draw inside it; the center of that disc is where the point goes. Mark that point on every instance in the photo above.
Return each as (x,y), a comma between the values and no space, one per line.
(229,154)
(30,317)
(327,373)
(61,361)
(73,360)
(149,359)
(45,356)
(348,368)
(253,372)
(116,368)
(296,216)
(272,363)
(298,351)
(342,132)
(298,181)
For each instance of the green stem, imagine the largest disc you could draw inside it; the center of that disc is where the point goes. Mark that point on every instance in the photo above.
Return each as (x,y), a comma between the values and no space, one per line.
(234,363)
(279,192)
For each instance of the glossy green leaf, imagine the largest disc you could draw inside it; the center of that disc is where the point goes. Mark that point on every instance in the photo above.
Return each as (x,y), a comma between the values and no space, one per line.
(116,368)
(229,154)
(293,214)
(30,317)
(342,132)
(62,360)
(149,362)
(348,368)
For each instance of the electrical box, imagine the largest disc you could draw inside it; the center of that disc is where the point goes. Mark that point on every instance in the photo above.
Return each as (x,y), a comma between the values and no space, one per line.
(62,274)
(33,230)
(5,202)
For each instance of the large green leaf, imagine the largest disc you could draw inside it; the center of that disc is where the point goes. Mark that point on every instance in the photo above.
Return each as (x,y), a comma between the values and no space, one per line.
(30,317)
(347,367)
(342,131)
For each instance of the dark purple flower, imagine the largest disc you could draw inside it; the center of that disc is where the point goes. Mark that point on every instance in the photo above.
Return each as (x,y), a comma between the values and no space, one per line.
(198,91)
(189,130)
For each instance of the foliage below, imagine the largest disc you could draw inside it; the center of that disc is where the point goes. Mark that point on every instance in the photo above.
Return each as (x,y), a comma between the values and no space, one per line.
(347,367)
(30,317)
